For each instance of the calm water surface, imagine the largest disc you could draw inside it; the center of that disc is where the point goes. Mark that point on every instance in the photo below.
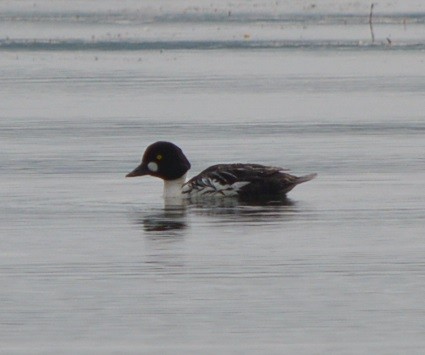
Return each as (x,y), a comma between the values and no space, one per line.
(91,262)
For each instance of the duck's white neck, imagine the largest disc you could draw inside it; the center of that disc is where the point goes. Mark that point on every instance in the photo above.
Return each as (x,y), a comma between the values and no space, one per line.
(173,188)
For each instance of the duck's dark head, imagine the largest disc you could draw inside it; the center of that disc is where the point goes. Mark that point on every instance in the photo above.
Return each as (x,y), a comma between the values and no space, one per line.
(164,160)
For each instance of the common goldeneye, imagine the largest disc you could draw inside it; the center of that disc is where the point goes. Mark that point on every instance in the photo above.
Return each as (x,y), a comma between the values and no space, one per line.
(247,181)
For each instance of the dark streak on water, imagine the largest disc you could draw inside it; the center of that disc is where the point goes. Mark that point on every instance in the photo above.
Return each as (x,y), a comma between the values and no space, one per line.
(72,45)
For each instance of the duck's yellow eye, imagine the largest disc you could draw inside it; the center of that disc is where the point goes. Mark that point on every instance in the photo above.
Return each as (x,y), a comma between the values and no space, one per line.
(159,157)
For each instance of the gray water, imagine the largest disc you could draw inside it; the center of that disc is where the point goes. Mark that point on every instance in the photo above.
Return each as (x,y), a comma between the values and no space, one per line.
(91,262)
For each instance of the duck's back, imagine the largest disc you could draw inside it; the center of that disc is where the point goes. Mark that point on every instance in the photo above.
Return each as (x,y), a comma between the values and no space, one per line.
(243,180)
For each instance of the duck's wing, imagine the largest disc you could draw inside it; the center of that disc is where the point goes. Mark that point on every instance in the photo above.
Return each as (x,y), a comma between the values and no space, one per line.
(221,179)
(270,181)
(238,179)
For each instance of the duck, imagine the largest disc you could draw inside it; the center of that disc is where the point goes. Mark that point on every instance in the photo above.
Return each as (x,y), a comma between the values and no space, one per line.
(166,161)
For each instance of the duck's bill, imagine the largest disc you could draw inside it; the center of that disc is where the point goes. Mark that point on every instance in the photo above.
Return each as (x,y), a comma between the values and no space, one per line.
(141,170)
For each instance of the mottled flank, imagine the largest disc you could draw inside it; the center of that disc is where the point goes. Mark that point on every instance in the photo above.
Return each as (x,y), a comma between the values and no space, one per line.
(245,180)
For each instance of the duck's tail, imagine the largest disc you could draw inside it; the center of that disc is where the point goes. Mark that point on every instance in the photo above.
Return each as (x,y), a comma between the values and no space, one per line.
(305,178)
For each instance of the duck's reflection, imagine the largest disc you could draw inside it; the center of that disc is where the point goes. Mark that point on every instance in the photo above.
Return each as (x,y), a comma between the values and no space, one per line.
(163,222)
(171,220)
(229,203)
(238,210)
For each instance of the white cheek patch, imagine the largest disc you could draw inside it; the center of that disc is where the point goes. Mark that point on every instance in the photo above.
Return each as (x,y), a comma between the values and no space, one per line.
(152,166)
